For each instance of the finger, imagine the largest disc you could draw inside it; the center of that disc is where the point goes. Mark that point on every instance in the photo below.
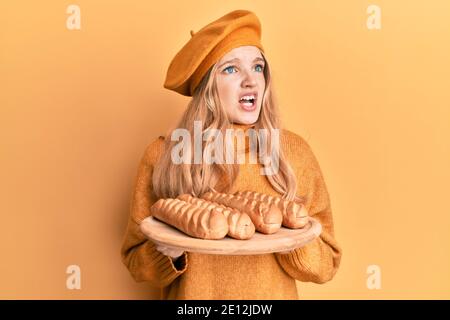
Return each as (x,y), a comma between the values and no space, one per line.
(162,249)
(175,253)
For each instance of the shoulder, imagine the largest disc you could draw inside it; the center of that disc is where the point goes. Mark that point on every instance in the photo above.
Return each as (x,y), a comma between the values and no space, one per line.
(298,151)
(294,143)
(153,151)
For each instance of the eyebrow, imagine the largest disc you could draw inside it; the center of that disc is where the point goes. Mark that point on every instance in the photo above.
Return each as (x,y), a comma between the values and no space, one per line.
(237,59)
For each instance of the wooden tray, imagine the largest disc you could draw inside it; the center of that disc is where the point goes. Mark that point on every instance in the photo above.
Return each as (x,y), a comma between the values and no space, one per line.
(283,240)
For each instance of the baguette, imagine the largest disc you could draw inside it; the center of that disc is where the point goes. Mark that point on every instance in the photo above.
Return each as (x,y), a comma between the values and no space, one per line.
(240,226)
(191,219)
(295,214)
(267,219)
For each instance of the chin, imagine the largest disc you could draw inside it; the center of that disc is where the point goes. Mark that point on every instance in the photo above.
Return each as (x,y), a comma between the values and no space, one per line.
(246,120)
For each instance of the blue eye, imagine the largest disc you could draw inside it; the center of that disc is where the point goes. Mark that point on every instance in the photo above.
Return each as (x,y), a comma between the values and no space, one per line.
(260,65)
(233,67)
(228,68)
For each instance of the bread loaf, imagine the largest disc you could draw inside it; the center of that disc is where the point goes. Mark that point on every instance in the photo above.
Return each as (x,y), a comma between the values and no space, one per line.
(266,218)
(240,226)
(191,219)
(295,214)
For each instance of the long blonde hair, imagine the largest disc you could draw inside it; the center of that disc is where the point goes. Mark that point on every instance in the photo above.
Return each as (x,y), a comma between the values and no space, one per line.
(171,180)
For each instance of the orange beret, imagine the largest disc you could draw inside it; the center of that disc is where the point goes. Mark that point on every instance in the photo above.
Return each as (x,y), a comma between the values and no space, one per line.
(209,45)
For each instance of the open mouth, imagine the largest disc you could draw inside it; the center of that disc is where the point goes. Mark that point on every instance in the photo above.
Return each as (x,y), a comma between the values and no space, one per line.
(248,103)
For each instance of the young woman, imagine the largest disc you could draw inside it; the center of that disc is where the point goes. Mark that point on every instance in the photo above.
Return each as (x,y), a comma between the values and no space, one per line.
(221,64)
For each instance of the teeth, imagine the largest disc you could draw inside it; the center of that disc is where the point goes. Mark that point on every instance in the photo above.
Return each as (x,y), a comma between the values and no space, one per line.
(248,97)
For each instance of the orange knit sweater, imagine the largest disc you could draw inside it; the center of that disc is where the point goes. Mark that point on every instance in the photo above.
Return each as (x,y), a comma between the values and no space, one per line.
(267,276)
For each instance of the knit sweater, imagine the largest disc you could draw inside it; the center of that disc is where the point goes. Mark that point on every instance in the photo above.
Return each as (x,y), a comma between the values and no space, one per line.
(263,276)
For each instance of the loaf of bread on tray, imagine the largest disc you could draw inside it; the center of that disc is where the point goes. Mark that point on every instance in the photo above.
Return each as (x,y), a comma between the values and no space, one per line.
(266,218)
(295,214)
(240,226)
(192,219)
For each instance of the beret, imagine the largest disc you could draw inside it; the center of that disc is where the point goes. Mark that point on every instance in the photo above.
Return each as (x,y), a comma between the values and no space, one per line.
(209,45)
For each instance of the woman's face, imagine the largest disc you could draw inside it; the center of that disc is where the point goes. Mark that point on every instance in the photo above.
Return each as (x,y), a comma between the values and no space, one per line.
(241,74)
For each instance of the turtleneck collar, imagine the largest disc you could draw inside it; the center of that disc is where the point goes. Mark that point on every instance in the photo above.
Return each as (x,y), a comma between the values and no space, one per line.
(243,127)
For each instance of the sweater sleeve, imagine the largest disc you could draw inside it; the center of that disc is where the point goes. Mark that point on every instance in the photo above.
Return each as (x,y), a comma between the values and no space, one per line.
(138,253)
(319,260)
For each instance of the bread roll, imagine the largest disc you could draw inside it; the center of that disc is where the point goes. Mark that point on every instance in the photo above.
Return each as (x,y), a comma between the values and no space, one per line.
(240,226)
(191,219)
(267,219)
(295,214)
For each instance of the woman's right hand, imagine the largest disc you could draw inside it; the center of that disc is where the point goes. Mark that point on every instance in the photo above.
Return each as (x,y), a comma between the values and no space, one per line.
(170,252)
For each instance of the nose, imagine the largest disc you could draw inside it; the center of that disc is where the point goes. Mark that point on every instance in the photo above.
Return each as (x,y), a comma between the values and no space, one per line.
(249,79)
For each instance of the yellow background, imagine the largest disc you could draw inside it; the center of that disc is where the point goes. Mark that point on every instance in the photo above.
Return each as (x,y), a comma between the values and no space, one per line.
(79,107)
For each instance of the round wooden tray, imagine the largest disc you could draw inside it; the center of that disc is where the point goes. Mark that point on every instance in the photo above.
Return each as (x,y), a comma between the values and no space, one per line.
(283,240)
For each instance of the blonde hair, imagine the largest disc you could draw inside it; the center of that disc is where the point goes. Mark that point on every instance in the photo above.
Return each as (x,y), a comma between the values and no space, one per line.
(171,180)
